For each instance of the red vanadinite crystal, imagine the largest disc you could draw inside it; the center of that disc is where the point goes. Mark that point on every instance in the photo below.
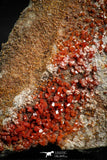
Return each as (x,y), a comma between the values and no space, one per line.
(69,99)
(56,98)
(29,109)
(105,49)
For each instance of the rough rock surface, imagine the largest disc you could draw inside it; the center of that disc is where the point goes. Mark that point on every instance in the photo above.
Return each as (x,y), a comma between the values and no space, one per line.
(55,57)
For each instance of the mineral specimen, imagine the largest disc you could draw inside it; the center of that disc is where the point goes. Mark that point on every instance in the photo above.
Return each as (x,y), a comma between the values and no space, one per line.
(53,80)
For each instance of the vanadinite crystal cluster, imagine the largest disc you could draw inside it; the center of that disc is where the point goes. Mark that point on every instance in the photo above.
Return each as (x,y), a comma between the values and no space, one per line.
(54,77)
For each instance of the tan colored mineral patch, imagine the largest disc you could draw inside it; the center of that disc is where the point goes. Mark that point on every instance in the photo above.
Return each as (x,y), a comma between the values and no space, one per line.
(28,49)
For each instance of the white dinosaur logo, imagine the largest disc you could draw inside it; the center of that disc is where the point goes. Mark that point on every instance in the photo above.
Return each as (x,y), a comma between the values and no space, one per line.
(48,153)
